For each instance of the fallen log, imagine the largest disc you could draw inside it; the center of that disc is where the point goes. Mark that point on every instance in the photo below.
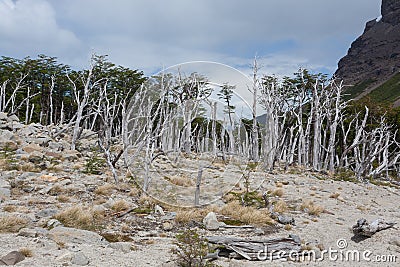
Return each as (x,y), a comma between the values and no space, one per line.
(256,250)
(363,228)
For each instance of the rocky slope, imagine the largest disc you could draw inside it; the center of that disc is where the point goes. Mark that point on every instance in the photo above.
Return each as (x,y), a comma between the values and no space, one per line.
(58,208)
(375,56)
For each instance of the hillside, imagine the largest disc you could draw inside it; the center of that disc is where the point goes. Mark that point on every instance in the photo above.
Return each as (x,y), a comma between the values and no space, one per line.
(374,57)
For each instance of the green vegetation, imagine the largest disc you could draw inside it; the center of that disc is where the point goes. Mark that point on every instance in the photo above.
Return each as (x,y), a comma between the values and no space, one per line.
(191,248)
(357,89)
(388,92)
(94,164)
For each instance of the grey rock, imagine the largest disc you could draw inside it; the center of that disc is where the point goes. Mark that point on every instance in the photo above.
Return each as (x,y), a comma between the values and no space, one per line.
(79,258)
(53,223)
(211,222)
(77,236)
(3,116)
(151,233)
(12,258)
(46,213)
(41,141)
(7,144)
(169,216)
(283,219)
(122,246)
(395,241)
(159,210)
(33,232)
(13,118)
(5,193)
(66,257)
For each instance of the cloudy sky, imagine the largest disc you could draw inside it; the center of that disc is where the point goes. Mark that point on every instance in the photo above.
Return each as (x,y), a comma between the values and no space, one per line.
(150,34)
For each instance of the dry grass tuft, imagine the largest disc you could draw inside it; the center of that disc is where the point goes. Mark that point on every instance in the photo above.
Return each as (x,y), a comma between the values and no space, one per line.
(80,217)
(249,215)
(187,215)
(26,252)
(147,201)
(280,206)
(181,181)
(311,207)
(63,198)
(105,190)
(12,224)
(56,190)
(278,192)
(120,205)
(288,227)
(335,195)
(10,208)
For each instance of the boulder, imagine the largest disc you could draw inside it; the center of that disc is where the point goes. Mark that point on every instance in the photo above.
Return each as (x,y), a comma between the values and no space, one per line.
(76,236)
(211,222)
(12,258)
(79,258)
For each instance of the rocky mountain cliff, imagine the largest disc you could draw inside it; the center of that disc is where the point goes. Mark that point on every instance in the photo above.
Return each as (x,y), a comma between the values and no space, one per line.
(375,56)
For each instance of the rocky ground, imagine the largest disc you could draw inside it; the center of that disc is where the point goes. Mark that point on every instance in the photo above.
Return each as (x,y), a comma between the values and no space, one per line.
(60,208)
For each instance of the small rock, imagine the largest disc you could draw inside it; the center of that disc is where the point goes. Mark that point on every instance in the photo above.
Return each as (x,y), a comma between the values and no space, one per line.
(46,213)
(5,193)
(122,246)
(13,118)
(159,210)
(32,148)
(169,216)
(65,257)
(36,157)
(283,219)
(147,233)
(167,226)
(3,116)
(395,241)
(80,259)
(8,145)
(211,222)
(28,232)
(12,258)
(53,223)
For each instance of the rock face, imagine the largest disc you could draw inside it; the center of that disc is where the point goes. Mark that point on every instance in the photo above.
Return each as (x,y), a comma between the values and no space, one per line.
(375,55)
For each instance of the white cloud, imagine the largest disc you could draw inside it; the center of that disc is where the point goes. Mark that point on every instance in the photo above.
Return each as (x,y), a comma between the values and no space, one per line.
(29,27)
(149,34)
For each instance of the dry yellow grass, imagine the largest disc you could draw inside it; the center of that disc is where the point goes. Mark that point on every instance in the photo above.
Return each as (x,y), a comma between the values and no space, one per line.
(120,205)
(10,208)
(311,207)
(229,197)
(80,217)
(63,198)
(147,201)
(193,214)
(249,215)
(26,252)
(278,192)
(12,224)
(287,227)
(181,181)
(56,190)
(105,190)
(280,206)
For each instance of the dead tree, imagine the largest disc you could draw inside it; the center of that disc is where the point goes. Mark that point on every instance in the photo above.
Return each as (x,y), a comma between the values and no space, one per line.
(82,100)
